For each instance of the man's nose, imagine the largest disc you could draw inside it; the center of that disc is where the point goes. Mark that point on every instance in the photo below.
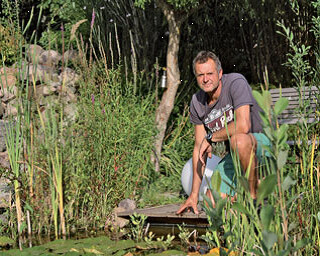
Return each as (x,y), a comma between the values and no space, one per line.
(205,78)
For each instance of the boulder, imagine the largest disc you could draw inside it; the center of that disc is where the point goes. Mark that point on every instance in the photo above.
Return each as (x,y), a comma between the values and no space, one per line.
(2,136)
(33,53)
(127,205)
(5,193)
(49,58)
(118,222)
(70,112)
(2,110)
(11,108)
(8,93)
(4,160)
(7,77)
(70,55)
(69,77)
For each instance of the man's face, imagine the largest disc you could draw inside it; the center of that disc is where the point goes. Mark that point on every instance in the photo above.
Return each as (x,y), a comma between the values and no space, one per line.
(207,76)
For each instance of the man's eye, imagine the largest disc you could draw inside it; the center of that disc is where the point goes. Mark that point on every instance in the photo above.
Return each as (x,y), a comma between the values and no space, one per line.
(200,75)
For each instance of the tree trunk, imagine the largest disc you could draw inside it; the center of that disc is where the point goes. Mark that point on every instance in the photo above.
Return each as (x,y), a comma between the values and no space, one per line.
(173,80)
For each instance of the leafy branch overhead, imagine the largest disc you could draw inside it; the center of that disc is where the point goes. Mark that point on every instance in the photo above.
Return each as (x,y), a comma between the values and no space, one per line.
(177,4)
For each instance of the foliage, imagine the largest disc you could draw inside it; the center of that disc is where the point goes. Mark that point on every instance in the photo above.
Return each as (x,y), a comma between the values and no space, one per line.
(59,17)
(163,190)
(9,45)
(178,144)
(179,4)
(137,231)
(112,143)
(10,36)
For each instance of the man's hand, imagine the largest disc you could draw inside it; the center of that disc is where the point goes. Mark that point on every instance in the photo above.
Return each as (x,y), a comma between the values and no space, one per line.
(204,150)
(191,202)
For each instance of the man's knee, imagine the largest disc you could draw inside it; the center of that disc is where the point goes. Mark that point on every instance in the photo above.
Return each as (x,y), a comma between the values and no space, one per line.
(243,143)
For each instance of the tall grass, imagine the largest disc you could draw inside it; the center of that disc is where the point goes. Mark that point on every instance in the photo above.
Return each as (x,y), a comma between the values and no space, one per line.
(72,174)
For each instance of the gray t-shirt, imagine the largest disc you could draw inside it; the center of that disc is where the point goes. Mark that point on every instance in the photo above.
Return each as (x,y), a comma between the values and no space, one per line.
(235,92)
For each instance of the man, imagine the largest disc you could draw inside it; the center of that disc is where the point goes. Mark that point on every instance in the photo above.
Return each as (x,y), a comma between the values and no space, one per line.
(223,110)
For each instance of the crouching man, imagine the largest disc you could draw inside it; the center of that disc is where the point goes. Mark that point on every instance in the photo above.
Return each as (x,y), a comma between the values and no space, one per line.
(223,99)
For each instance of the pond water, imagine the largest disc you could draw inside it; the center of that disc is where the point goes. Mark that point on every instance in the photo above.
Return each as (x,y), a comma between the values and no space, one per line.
(84,240)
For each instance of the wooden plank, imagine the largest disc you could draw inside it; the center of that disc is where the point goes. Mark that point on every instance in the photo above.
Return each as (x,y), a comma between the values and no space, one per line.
(291,115)
(167,214)
(293,90)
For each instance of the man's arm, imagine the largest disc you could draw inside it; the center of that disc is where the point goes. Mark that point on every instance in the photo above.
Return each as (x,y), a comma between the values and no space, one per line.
(198,170)
(242,124)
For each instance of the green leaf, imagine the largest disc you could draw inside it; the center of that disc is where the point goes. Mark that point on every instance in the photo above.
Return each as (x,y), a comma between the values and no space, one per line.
(282,134)
(240,208)
(265,119)
(268,132)
(259,99)
(302,243)
(282,158)
(266,187)
(216,181)
(269,239)
(266,215)
(318,215)
(280,105)
(244,182)
(287,183)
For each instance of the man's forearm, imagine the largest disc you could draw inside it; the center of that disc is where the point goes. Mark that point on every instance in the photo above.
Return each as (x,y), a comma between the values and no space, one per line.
(224,133)
(197,173)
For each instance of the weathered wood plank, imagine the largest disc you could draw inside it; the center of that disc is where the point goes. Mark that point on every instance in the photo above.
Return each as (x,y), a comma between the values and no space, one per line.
(167,214)
(290,115)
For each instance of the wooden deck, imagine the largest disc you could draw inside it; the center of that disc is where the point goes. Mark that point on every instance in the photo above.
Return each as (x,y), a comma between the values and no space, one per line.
(166,214)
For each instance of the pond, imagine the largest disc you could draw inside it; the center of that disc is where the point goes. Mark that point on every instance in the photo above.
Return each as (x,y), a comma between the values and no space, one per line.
(102,243)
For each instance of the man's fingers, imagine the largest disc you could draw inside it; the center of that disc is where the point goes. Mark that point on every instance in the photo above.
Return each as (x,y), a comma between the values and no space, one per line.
(195,209)
(182,208)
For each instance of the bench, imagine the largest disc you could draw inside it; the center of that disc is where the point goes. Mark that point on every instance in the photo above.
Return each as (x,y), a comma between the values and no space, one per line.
(291,114)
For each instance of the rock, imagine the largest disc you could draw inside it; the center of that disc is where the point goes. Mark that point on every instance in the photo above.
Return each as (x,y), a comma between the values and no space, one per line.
(5,193)
(9,93)
(42,73)
(4,160)
(2,110)
(7,77)
(70,55)
(23,70)
(34,72)
(70,112)
(127,205)
(114,220)
(69,77)
(49,58)
(12,109)
(120,222)
(33,53)
(46,91)
(2,137)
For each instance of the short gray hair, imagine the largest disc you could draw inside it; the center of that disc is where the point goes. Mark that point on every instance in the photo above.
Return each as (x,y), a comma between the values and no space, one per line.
(203,57)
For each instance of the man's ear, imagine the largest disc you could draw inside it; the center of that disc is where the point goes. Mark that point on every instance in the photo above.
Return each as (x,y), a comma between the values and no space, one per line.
(220,74)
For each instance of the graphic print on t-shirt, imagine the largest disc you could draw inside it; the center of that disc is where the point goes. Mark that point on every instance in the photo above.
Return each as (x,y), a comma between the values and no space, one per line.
(217,118)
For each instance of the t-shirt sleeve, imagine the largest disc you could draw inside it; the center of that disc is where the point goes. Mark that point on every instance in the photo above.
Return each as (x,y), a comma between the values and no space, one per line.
(241,93)
(194,112)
